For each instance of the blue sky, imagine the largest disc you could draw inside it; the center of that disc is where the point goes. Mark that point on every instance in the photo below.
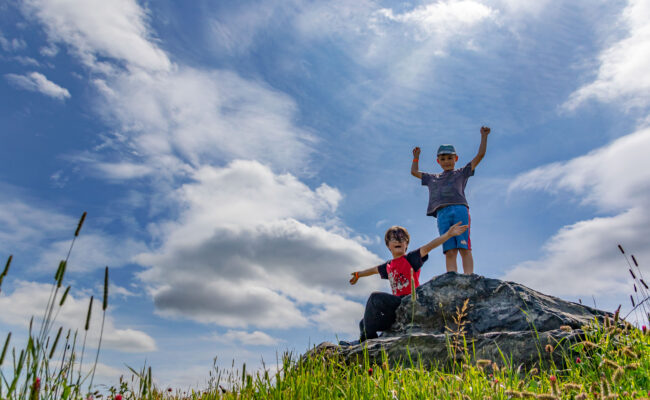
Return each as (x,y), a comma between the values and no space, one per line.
(238,160)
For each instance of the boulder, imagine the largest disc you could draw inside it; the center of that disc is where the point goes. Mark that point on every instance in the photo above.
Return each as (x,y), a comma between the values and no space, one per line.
(501,321)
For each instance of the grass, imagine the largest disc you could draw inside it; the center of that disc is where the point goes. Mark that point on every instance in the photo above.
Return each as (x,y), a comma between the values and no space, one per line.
(611,361)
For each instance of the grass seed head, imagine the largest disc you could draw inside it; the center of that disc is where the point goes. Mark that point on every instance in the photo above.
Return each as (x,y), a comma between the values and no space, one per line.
(90,309)
(80,224)
(582,396)
(572,387)
(566,328)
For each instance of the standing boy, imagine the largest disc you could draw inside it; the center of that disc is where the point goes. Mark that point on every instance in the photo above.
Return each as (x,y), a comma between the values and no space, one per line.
(403,272)
(447,200)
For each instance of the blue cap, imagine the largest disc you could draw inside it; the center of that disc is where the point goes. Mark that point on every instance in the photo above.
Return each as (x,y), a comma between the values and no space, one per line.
(446,149)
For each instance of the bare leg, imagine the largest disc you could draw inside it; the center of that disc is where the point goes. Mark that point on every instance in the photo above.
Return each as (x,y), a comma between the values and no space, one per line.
(468,261)
(450,258)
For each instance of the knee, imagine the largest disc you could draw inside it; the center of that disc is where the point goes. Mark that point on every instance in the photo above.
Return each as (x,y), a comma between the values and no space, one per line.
(464,252)
(451,253)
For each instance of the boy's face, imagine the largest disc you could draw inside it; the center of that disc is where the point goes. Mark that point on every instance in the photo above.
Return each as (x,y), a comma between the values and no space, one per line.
(447,161)
(397,243)
(397,247)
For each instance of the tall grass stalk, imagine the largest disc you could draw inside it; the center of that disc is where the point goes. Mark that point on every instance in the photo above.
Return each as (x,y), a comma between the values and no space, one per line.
(35,371)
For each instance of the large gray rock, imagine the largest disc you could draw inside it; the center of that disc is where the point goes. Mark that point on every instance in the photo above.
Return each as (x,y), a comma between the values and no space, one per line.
(502,319)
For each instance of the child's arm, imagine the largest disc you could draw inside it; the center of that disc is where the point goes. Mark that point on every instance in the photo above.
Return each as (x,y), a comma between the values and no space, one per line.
(365,272)
(485,131)
(414,167)
(455,230)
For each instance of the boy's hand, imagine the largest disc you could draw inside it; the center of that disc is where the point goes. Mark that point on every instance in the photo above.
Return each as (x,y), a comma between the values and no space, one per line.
(416,152)
(355,278)
(457,229)
(485,130)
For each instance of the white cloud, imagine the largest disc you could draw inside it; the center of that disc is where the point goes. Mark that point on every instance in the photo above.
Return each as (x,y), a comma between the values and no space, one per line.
(442,19)
(250,247)
(11,44)
(622,74)
(50,50)
(196,117)
(37,82)
(256,338)
(30,298)
(612,178)
(582,258)
(247,259)
(96,28)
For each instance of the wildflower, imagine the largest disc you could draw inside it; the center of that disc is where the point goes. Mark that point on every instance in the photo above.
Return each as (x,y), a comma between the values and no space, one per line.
(644,329)
(548,348)
(578,360)
(36,387)
(370,371)
(118,397)
(552,378)
(169,389)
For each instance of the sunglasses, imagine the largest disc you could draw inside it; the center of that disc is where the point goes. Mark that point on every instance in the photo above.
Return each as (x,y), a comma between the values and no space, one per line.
(398,236)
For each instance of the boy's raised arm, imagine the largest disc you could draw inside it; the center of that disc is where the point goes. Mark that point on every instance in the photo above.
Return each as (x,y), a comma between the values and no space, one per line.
(366,272)
(485,131)
(414,167)
(455,230)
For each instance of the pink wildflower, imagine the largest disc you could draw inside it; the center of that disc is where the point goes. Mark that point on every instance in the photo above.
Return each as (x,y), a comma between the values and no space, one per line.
(118,397)
(370,371)
(578,360)
(552,378)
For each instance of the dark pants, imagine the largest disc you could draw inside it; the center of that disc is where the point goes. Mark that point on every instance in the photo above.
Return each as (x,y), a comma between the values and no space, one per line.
(379,314)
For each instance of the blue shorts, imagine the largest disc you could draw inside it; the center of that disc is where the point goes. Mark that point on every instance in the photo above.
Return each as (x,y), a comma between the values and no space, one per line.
(448,216)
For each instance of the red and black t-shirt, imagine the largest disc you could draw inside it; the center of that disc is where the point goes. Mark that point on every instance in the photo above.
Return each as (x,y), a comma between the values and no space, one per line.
(398,272)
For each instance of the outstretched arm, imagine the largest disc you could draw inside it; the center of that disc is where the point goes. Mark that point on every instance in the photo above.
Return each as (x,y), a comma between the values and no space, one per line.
(414,167)
(455,230)
(485,131)
(365,272)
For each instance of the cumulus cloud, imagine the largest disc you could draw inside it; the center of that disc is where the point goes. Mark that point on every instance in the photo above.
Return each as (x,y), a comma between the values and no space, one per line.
(37,82)
(582,258)
(622,74)
(250,245)
(30,298)
(248,256)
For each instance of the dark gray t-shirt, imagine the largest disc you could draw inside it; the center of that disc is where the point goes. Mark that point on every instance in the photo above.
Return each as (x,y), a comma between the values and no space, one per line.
(447,188)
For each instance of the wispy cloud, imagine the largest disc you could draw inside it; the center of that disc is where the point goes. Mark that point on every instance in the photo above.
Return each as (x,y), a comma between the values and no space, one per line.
(582,258)
(94,28)
(37,82)
(623,72)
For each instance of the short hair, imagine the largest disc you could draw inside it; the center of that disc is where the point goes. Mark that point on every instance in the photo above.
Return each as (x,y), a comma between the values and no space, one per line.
(395,232)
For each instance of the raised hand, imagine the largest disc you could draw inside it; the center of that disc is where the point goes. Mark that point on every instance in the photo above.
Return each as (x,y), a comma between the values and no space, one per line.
(355,278)
(416,152)
(485,130)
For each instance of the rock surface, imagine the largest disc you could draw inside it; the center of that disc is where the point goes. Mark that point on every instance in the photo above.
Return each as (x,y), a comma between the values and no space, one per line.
(502,319)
